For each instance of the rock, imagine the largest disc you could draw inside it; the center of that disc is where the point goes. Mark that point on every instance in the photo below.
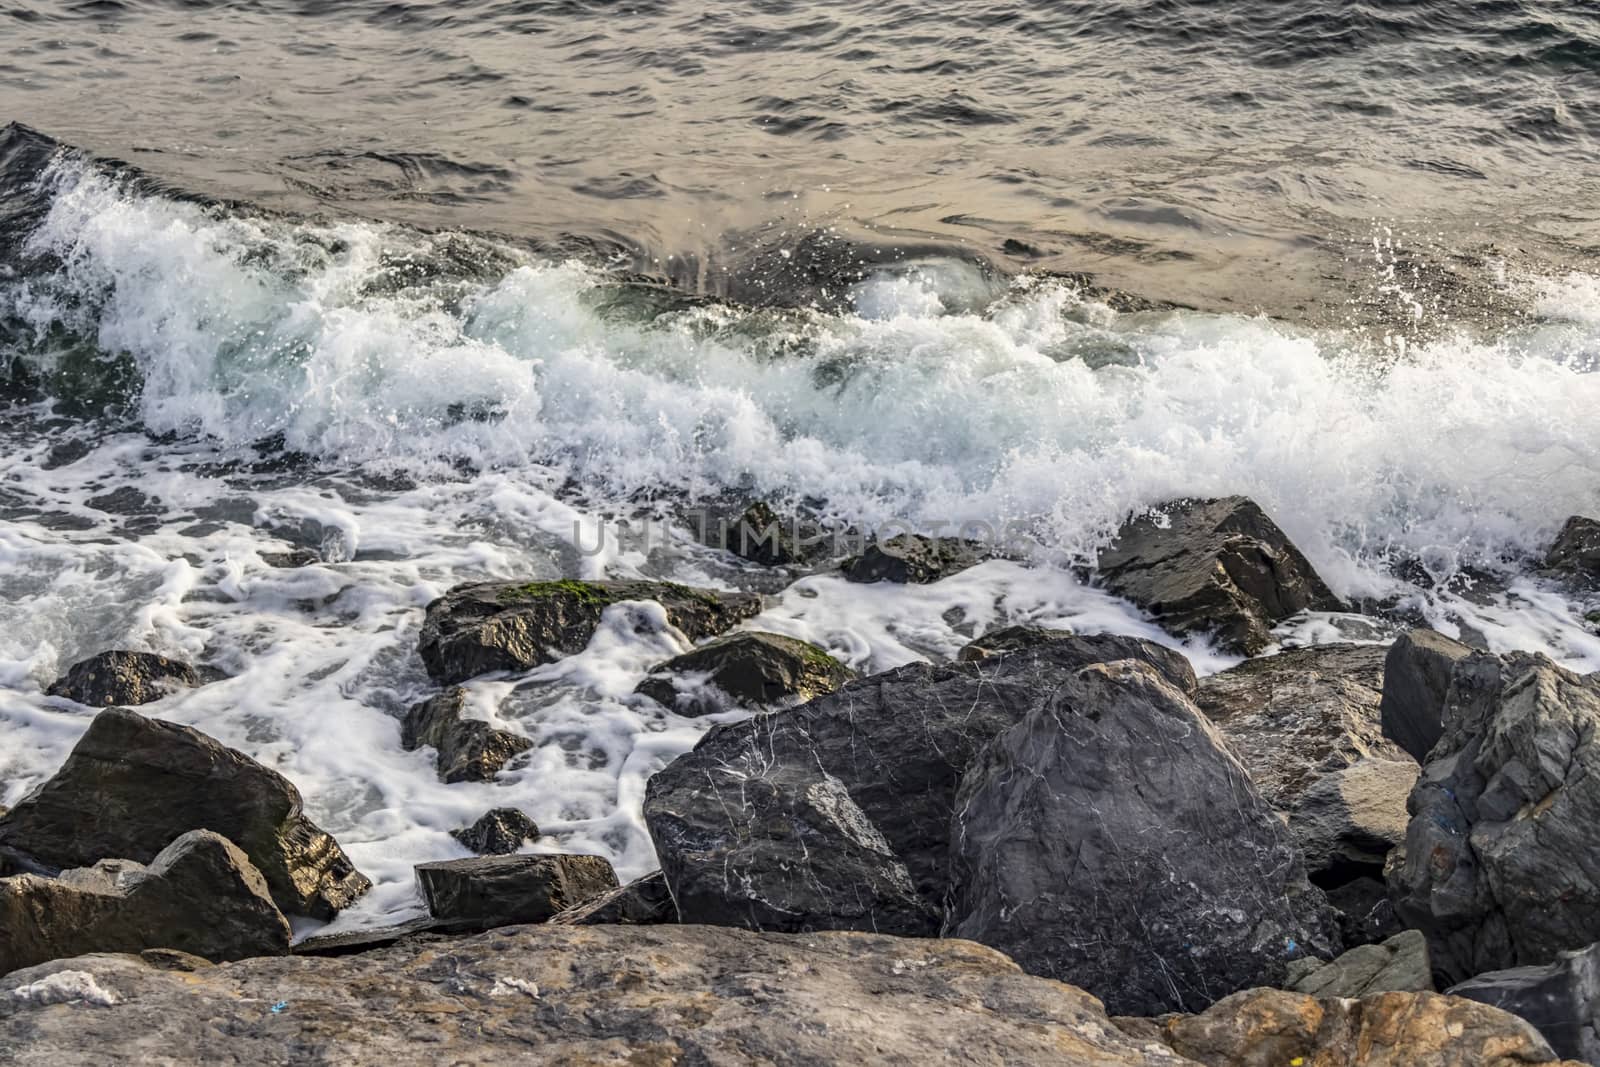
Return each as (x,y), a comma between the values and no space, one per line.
(504,890)
(759,535)
(836,814)
(120,678)
(1112,840)
(581,995)
(1108,648)
(370,938)
(1214,565)
(1400,965)
(914,559)
(1273,1028)
(132,785)
(294,557)
(1416,679)
(642,902)
(1346,822)
(1305,725)
(469,750)
(200,895)
(500,832)
(1576,551)
(757,670)
(1496,868)
(1561,999)
(514,626)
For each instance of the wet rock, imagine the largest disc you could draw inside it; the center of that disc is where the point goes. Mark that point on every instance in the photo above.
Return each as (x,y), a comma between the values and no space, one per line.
(644,901)
(1106,648)
(505,890)
(294,557)
(1183,885)
(126,501)
(200,895)
(581,995)
(836,814)
(1416,680)
(756,670)
(1576,552)
(1561,999)
(469,750)
(1274,1028)
(760,535)
(1220,566)
(122,678)
(914,559)
(132,785)
(513,626)
(1399,964)
(1495,869)
(66,453)
(500,832)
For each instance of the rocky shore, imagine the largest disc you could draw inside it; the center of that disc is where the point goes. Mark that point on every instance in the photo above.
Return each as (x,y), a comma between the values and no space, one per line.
(1052,848)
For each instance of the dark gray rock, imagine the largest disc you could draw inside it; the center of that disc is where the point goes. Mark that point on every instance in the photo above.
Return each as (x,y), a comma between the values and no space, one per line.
(915,559)
(505,890)
(132,785)
(500,832)
(1106,648)
(118,678)
(294,557)
(1576,552)
(469,750)
(1347,822)
(1498,867)
(1416,680)
(644,901)
(1398,965)
(756,670)
(836,814)
(514,626)
(1561,999)
(1111,840)
(1221,566)
(759,534)
(200,895)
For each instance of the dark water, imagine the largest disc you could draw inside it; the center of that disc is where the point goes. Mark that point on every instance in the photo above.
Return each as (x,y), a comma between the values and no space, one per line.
(1243,155)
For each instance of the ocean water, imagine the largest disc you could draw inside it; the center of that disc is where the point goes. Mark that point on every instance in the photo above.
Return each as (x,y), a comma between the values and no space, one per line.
(453,291)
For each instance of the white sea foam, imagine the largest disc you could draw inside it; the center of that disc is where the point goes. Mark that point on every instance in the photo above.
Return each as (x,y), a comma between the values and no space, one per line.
(1040,408)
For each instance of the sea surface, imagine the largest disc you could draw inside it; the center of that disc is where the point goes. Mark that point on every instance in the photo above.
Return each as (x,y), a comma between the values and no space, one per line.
(446,291)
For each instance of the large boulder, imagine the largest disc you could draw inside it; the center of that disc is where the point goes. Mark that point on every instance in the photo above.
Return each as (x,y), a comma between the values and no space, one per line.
(514,626)
(504,890)
(1305,723)
(116,678)
(1399,964)
(500,832)
(1499,863)
(1562,999)
(1416,680)
(1222,566)
(914,559)
(467,750)
(1576,551)
(1170,664)
(836,814)
(748,669)
(1274,1028)
(574,995)
(1111,840)
(132,785)
(200,895)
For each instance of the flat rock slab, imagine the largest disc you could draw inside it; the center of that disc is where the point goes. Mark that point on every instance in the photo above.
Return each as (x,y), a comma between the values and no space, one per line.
(574,995)
(1399,964)
(515,626)
(505,890)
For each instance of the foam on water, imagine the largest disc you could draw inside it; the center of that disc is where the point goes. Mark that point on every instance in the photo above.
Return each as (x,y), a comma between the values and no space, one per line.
(496,382)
